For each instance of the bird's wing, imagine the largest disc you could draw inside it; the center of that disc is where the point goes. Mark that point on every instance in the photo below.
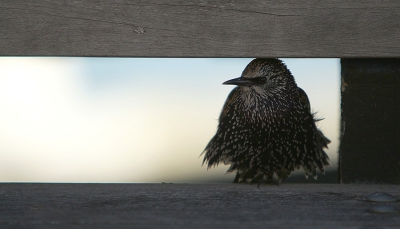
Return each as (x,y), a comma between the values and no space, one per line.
(304,99)
(231,97)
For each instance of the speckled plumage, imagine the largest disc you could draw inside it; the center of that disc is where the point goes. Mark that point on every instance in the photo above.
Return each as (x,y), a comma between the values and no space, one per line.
(266,129)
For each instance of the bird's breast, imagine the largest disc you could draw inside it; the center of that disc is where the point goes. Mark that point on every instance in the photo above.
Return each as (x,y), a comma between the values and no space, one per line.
(262,109)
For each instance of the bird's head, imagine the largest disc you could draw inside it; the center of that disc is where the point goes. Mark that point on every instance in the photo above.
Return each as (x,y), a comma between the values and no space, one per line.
(269,74)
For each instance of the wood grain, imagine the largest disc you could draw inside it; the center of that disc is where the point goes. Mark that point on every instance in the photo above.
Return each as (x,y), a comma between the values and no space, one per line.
(193,206)
(177,28)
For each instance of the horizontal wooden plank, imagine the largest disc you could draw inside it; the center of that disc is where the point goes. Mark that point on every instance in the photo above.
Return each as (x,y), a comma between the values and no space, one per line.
(178,28)
(193,206)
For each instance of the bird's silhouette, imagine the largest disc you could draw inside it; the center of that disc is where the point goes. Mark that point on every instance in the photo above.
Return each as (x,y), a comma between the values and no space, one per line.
(266,128)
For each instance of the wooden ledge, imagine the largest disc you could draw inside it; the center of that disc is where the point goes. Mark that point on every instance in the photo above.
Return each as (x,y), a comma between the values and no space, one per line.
(45,205)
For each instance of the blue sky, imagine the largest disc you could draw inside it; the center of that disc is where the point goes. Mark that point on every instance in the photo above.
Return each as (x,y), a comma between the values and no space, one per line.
(130,119)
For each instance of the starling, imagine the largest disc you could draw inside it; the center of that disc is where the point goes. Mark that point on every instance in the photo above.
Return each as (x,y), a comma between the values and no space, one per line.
(266,128)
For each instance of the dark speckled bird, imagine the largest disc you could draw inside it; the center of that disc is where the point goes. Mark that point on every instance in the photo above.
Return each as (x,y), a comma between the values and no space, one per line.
(266,129)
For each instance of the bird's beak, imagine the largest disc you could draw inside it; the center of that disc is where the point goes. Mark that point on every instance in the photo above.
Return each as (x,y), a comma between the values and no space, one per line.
(239,81)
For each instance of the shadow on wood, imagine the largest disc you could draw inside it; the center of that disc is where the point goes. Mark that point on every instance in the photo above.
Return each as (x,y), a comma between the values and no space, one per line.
(370,130)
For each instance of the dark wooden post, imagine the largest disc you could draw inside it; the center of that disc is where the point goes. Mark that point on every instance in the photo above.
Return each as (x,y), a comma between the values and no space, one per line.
(370,144)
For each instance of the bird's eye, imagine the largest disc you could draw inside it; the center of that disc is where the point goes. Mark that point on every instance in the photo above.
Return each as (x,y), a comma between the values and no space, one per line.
(258,80)
(262,80)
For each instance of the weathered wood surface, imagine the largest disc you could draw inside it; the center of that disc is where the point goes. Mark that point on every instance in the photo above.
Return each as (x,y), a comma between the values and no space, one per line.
(370,141)
(177,28)
(192,206)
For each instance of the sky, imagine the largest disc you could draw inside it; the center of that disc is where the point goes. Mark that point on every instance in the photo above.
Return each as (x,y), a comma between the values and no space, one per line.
(71,119)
